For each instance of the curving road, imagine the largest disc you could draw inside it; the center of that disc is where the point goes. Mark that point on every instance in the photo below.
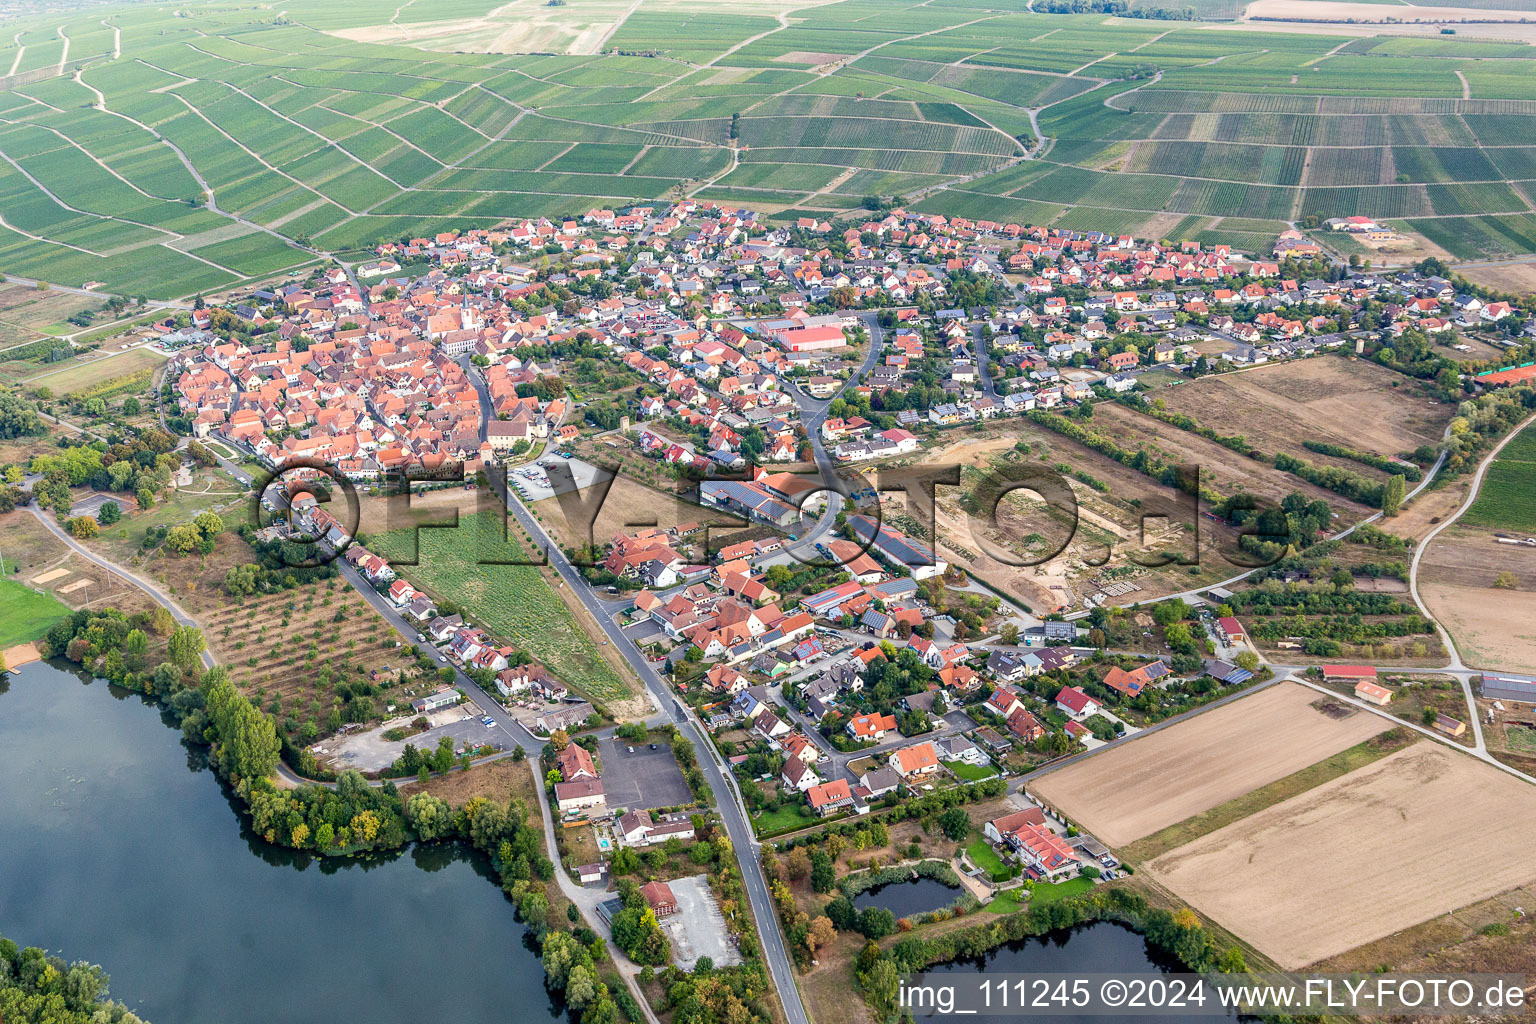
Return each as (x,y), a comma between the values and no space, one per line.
(131,578)
(1419,548)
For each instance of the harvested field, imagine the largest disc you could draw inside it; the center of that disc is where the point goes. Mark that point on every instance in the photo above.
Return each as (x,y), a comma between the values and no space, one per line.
(1514,277)
(1175,773)
(1470,557)
(1293,879)
(1492,626)
(1221,468)
(1346,401)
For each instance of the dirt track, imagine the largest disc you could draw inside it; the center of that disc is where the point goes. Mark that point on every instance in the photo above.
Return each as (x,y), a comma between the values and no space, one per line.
(1412,836)
(1123,795)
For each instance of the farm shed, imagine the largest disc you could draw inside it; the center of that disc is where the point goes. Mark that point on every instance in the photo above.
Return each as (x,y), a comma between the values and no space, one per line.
(1373,693)
(1504,686)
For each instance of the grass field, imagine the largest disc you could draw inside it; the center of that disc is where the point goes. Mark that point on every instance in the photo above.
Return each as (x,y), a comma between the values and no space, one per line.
(514,602)
(25,614)
(1505,499)
(984,857)
(82,373)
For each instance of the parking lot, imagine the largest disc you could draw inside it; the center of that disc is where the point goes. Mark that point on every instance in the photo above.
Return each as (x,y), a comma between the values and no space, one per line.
(370,751)
(648,631)
(535,483)
(645,779)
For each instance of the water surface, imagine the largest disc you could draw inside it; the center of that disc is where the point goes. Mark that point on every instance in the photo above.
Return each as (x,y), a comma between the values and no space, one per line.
(119,846)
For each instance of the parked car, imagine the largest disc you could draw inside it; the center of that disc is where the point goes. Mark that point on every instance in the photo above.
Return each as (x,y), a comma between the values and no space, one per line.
(488,721)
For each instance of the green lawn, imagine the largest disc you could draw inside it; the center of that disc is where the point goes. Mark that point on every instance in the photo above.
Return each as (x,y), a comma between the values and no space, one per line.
(970,772)
(1006,902)
(1050,892)
(983,856)
(788,816)
(1010,900)
(25,614)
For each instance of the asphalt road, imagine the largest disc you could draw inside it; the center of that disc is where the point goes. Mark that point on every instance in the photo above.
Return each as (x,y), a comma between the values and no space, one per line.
(726,796)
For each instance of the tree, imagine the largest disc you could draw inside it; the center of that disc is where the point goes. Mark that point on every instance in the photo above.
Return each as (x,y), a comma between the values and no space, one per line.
(955,823)
(135,648)
(822,875)
(1166,613)
(160,621)
(185,646)
(430,816)
(1247,660)
(580,987)
(1009,634)
(109,513)
(19,418)
(183,538)
(1392,494)
(241,580)
(798,863)
(247,739)
(84,527)
(1506,581)
(208,524)
(820,934)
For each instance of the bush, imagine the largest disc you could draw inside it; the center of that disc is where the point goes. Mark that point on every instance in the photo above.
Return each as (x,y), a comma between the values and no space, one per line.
(876,922)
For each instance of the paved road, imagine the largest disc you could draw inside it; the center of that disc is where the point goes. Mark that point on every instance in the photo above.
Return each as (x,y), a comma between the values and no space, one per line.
(721,784)
(1419,548)
(96,293)
(727,797)
(813,413)
(983,361)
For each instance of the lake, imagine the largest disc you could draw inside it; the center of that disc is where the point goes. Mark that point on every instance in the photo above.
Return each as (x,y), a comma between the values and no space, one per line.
(1104,947)
(122,848)
(909,898)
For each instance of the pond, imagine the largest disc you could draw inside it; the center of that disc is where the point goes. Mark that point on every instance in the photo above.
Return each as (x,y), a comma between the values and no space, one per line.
(1104,947)
(909,898)
(122,848)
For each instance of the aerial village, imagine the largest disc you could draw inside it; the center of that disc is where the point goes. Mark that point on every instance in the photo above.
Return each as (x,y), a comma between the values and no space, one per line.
(728,352)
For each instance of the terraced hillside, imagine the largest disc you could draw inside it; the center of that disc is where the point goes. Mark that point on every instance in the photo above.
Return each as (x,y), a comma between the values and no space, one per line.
(170,151)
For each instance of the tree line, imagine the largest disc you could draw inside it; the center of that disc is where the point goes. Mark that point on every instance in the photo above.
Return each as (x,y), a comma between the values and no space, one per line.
(36,988)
